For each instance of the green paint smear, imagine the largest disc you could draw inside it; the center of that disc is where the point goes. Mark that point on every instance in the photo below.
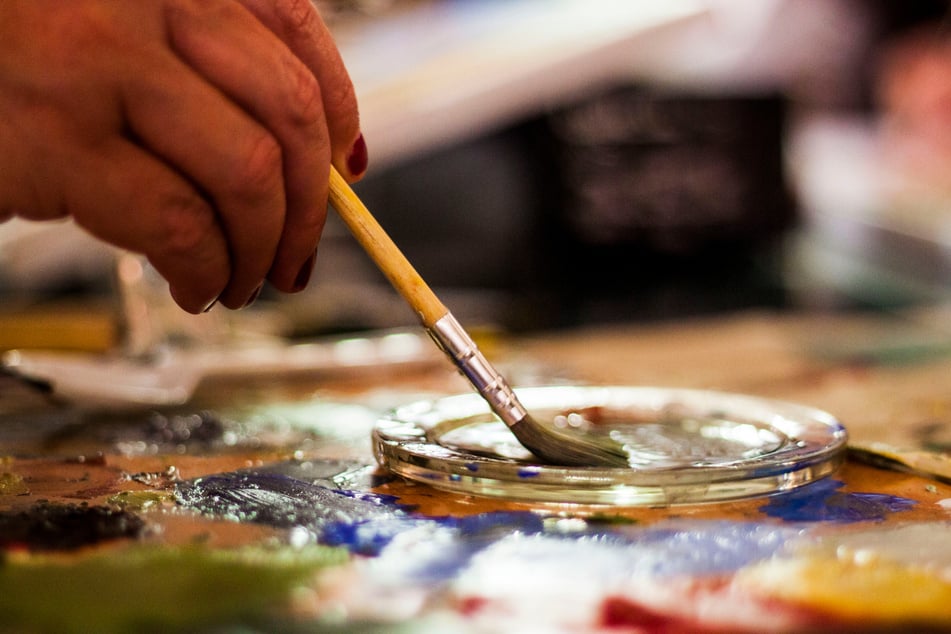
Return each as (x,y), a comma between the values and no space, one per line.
(611,520)
(141,500)
(145,589)
(12,484)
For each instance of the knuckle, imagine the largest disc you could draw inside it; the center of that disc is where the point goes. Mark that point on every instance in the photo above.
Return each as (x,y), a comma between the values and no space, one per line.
(305,102)
(259,171)
(187,224)
(298,16)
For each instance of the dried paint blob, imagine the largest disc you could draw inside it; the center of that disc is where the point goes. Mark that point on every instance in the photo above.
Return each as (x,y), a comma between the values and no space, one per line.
(66,526)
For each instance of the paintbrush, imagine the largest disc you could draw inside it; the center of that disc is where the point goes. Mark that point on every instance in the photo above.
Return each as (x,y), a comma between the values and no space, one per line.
(546,442)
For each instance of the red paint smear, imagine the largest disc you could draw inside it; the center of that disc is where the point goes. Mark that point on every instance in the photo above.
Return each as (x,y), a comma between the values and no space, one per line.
(618,612)
(470,605)
(622,613)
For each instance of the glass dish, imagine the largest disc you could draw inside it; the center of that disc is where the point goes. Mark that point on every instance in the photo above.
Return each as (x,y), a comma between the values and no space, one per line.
(685,446)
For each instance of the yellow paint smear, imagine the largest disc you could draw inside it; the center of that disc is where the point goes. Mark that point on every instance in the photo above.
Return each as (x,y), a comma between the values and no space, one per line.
(873,590)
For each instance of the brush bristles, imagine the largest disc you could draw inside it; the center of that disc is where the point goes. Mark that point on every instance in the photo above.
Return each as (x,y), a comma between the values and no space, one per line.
(574,450)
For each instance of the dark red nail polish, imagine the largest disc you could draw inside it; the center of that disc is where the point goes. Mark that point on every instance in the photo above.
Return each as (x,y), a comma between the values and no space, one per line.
(358,158)
(303,276)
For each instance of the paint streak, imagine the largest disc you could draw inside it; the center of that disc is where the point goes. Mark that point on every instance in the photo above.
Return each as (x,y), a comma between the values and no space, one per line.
(367,523)
(158,589)
(704,547)
(371,536)
(530,568)
(823,502)
(621,612)
(280,501)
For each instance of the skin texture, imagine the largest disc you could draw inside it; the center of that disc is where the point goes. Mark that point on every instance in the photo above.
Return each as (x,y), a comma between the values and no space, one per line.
(199,133)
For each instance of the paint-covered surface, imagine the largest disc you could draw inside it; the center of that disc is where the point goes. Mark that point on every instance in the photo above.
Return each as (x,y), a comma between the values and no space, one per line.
(268,514)
(869,546)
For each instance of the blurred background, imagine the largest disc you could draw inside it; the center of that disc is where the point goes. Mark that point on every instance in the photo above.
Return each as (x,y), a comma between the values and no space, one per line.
(550,163)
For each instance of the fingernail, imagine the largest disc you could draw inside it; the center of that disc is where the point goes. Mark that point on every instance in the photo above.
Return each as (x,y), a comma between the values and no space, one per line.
(210,305)
(254,295)
(303,276)
(358,159)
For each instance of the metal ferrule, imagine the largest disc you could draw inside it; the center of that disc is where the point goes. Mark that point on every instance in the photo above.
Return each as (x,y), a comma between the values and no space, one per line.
(456,342)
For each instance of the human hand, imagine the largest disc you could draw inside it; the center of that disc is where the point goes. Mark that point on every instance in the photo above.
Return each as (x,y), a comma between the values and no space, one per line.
(199,133)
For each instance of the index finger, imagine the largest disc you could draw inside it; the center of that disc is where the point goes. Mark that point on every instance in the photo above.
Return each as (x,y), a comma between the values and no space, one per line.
(298,24)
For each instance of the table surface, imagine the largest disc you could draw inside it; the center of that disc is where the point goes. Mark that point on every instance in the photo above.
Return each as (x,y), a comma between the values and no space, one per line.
(258,503)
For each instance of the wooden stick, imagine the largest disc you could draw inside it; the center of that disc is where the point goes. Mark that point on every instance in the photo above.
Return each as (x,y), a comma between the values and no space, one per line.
(381,248)
(458,345)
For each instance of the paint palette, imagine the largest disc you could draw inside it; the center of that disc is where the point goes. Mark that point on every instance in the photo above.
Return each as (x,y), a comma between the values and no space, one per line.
(684,446)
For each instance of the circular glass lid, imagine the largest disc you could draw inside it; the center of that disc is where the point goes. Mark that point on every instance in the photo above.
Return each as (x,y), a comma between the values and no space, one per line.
(684,446)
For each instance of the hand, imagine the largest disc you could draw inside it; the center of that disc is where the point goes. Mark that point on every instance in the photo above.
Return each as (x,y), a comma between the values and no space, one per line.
(197,132)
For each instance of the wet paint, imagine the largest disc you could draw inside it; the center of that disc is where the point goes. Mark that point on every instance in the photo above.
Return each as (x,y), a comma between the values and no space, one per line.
(158,589)
(924,545)
(892,594)
(547,580)
(458,537)
(367,523)
(140,500)
(12,484)
(50,527)
(823,502)
(279,500)
(529,568)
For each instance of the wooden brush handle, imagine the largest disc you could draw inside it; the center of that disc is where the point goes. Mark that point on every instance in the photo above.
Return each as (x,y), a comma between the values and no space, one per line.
(381,248)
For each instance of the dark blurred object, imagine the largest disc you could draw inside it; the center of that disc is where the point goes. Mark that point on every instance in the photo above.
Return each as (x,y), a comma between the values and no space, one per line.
(672,175)
(628,205)
(895,20)
(670,203)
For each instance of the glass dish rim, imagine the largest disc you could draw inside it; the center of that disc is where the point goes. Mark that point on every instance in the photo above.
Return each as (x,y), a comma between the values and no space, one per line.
(402,444)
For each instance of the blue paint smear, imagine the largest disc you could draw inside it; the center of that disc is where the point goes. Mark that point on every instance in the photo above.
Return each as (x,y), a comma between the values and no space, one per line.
(823,502)
(673,548)
(435,549)
(371,536)
(528,472)
(375,498)
(366,537)
(413,548)
(703,546)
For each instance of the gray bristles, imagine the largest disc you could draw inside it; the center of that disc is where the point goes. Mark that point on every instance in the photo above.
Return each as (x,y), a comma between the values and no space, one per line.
(574,450)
